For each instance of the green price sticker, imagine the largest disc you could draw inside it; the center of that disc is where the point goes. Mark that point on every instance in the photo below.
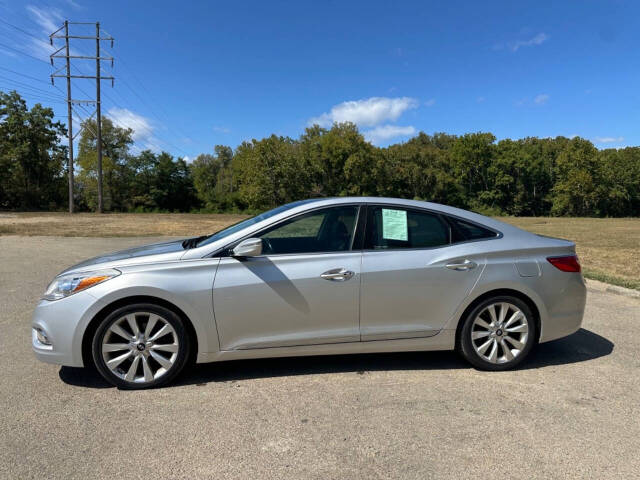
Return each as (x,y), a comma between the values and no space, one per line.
(394,225)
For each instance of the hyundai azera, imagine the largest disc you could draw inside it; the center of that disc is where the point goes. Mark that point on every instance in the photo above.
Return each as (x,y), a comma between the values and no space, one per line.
(315,277)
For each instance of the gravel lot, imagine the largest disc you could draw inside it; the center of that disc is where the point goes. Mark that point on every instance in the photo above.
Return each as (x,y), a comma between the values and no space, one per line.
(571,412)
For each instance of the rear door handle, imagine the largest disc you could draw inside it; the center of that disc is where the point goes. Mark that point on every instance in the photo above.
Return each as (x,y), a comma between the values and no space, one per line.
(337,274)
(462,266)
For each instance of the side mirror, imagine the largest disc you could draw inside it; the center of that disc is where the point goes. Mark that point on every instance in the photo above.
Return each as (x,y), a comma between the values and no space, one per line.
(251,247)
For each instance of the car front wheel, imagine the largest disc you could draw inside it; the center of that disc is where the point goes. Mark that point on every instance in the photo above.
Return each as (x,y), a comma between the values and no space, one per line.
(140,346)
(498,334)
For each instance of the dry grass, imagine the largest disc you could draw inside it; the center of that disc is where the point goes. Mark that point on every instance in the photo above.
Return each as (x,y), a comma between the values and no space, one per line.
(609,249)
(114,224)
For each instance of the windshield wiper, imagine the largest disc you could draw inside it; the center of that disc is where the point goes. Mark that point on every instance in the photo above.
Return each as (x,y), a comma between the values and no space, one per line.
(193,242)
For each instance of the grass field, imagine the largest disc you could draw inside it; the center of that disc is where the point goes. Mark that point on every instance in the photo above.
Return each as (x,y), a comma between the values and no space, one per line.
(609,248)
(114,224)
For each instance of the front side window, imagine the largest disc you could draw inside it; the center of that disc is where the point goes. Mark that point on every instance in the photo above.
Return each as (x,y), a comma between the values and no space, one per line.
(230,230)
(395,227)
(324,230)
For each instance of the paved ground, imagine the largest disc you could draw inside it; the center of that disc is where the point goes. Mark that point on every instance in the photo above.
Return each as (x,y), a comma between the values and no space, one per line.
(572,412)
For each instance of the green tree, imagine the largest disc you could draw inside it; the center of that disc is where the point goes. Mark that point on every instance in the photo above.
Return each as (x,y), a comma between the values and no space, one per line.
(619,185)
(32,174)
(575,191)
(335,159)
(420,169)
(213,178)
(270,173)
(142,180)
(204,170)
(173,187)
(116,171)
(472,156)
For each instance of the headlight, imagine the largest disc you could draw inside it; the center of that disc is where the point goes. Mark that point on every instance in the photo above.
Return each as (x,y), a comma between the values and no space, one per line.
(66,285)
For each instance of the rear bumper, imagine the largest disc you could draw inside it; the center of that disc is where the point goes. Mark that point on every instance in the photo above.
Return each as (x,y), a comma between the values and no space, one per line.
(565,309)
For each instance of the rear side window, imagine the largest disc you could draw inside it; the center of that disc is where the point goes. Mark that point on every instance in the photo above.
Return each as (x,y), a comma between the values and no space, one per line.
(462,231)
(394,227)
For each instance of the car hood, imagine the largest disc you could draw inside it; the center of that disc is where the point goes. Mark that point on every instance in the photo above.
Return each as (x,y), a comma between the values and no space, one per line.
(155,252)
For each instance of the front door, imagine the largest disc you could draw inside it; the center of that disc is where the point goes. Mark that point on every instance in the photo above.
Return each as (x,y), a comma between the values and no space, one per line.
(407,289)
(303,290)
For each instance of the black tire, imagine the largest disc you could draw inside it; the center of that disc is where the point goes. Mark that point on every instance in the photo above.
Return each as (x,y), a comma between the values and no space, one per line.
(181,357)
(466,347)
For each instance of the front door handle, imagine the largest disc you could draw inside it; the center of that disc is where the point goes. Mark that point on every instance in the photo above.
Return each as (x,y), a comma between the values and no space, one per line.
(337,274)
(462,266)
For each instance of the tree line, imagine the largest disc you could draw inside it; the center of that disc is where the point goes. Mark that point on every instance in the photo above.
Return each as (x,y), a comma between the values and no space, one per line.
(531,176)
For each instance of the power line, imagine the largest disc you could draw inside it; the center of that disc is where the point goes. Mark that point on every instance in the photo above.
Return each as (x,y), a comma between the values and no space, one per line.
(35,96)
(22,53)
(26,90)
(20,29)
(31,87)
(148,105)
(117,105)
(23,75)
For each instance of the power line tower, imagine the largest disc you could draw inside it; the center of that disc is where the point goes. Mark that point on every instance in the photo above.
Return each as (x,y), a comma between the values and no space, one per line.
(70,101)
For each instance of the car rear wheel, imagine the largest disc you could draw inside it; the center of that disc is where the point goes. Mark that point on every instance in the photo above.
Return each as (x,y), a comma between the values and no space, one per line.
(498,334)
(140,346)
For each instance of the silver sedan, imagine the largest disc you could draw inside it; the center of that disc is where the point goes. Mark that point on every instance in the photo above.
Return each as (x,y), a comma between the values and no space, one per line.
(315,277)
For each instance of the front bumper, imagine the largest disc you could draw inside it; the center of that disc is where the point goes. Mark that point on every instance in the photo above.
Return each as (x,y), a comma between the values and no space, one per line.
(63,322)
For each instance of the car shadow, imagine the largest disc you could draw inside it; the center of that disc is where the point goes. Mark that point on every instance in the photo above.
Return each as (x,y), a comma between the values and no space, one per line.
(272,276)
(579,347)
(582,346)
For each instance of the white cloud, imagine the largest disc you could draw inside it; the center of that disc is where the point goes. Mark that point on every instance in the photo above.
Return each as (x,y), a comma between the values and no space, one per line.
(539,39)
(541,99)
(383,133)
(430,103)
(609,139)
(221,130)
(42,50)
(50,20)
(367,112)
(141,126)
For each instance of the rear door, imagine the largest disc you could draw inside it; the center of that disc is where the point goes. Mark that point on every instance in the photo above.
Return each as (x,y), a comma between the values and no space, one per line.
(413,278)
(303,290)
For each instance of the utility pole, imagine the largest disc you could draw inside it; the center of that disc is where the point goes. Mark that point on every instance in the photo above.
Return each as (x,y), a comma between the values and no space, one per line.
(99,117)
(70,101)
(69,116)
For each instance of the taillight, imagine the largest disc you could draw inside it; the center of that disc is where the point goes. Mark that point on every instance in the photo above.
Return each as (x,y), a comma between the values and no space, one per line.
(567,263)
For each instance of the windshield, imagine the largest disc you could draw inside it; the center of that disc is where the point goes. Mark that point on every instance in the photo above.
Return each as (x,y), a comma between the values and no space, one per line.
(236,227)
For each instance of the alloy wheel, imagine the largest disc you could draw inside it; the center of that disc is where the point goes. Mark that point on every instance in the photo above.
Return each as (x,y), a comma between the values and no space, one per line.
(140,347)
(499,332)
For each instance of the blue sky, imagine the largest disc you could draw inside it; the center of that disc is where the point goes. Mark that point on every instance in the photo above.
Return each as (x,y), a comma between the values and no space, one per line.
(193,74)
